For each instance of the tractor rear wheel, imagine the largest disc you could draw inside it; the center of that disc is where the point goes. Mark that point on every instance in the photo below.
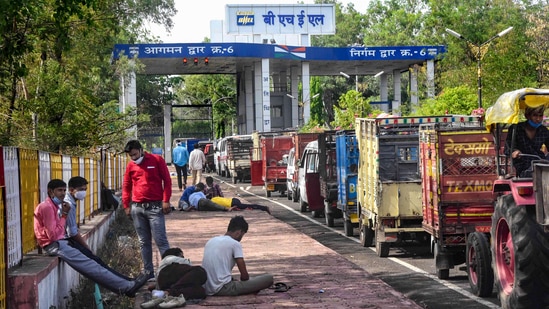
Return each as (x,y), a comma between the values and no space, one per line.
(520,256)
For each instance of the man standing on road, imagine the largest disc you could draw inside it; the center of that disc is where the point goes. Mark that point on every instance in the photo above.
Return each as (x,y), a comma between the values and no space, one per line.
(197,160)
(180,159)
(221,253)
(146,192)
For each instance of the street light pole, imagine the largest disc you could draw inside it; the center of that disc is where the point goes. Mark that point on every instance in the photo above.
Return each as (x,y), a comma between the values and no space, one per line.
(481,50)
(347,76)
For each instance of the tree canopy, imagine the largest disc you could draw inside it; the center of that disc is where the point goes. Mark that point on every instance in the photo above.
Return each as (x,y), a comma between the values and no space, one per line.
(59,91)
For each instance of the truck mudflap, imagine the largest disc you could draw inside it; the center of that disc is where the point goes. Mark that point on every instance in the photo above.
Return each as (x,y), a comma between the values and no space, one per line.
(312,187)
(353,218)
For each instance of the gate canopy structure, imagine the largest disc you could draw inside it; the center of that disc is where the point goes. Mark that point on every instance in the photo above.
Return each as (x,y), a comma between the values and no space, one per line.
(231,58)
(269,76)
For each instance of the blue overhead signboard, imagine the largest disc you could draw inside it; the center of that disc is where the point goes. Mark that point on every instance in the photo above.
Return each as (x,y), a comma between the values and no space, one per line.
(250,19)
(247,50)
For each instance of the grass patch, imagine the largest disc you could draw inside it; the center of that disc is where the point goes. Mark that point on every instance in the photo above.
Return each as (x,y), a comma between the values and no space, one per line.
(124,256)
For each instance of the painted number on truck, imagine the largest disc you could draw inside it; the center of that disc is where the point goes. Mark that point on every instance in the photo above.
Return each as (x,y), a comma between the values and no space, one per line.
(352,188)
(468,185)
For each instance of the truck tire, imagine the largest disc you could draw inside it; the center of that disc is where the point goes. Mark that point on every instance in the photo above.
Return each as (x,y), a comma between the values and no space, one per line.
(442,273)
(302,205)
(366,236)
(517,237)
(328,215)
(348,227)
(382,248)
(479,264)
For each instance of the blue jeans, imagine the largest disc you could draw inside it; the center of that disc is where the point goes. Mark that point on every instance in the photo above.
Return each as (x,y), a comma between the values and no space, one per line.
(148,220)
(73,243)
(88,267)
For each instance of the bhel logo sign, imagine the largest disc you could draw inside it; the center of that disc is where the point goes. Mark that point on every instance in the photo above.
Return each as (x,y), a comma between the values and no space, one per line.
(245,18)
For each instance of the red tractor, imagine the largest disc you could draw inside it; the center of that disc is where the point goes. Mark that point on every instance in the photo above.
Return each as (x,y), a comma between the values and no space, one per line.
(519,235)
(478,210)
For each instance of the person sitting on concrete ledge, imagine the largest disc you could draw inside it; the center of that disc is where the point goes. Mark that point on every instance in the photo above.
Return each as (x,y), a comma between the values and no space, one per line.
(235,204)
(49,228)
(198,201)
(77,191)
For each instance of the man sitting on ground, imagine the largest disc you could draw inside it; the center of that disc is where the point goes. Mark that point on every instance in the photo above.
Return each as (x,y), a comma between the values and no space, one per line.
(212,189)
(184,200)
(221,253)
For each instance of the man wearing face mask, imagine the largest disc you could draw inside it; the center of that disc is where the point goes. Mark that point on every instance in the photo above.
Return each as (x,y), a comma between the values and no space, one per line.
(49,228)
(77,192)
(146,192)
(528,137)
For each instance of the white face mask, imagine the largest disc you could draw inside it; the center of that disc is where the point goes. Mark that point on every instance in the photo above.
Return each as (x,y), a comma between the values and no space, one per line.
(138,161)
(80,195)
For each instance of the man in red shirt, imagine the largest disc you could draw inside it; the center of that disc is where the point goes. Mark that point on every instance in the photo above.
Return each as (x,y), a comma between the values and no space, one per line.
(49,227)
(146,192)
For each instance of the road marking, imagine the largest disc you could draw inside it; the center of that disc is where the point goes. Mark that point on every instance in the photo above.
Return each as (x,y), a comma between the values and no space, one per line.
(396,260)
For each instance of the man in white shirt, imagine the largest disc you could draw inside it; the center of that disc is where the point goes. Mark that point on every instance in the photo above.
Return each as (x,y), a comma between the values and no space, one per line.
(197,160)
(221,253)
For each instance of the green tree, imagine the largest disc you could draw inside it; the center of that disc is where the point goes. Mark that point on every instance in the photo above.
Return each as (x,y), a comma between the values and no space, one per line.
(56,81)
(507,65)
(219,91)
(459,100)
(351,105)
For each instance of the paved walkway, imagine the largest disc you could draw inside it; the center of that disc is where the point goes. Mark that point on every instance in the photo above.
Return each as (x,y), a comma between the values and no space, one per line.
(318,276)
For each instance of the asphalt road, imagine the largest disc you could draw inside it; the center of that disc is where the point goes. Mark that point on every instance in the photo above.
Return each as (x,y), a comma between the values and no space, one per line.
(409,269)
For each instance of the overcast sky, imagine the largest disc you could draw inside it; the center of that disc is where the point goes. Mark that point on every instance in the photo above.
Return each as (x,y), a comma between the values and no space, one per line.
(192,22)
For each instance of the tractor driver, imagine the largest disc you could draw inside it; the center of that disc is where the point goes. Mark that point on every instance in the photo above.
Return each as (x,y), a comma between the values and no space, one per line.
(531,137)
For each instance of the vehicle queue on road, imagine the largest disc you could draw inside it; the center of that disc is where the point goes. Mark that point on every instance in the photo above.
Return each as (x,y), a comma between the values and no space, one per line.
(434,180)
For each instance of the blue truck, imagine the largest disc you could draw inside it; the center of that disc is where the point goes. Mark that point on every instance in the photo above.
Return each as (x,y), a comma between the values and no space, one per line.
(347,175)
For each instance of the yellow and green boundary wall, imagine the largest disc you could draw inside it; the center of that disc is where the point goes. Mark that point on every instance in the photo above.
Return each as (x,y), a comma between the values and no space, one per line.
(24,175)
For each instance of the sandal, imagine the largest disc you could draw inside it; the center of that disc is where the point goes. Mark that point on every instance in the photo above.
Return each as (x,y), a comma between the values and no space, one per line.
(280,287)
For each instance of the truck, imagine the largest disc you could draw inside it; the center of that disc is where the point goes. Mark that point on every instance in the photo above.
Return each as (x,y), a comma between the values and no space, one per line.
(327,167)
(317,179)
(347,174)
(300,140)
(208,147)
(269,160)
(458,170)
(220,157)
(239,157)
(389,183)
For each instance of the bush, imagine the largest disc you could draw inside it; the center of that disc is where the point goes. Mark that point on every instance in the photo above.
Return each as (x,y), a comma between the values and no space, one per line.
(124,256)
